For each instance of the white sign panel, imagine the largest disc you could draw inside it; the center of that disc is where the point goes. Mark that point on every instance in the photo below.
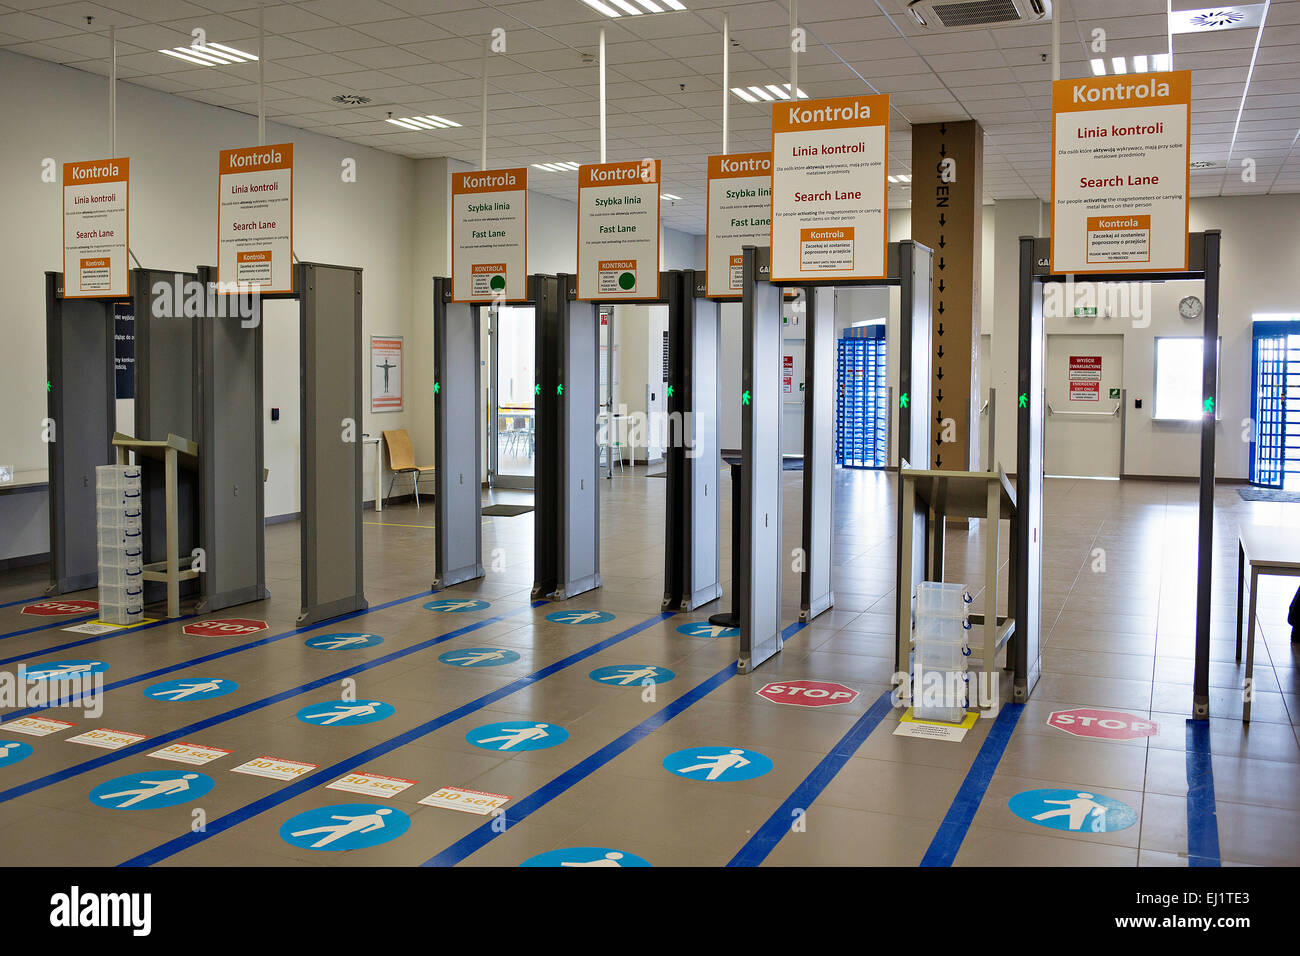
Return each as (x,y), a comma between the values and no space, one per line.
(385,373)
(739,215)
(1121,173)
(96,228)
(618,231)
(830,214)
(107,739)
(255,218)
(190,753)
(35,726)
(489,235)
(371,784)
(466,801)
(275,768)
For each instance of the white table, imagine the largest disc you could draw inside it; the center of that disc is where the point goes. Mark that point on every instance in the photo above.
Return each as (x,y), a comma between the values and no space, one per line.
(1268,550)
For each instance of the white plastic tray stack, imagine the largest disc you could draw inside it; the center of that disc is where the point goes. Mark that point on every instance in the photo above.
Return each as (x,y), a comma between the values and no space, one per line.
(942,647)
(121,549)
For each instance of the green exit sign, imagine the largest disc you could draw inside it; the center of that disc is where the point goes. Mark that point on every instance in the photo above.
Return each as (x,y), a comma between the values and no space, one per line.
(1080,310)
(1114,393)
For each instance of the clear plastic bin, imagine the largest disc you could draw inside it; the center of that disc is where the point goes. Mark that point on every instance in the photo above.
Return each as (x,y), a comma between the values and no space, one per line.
(120,538)
(122,614)
(121,558)
(936,599)
(942,630)
(940,694)
(949,715)
(119,518)
(113,577)
(942,656)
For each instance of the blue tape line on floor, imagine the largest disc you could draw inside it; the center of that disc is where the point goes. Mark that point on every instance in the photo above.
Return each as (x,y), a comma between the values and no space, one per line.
(765,839)
(162,739)
(46,627)
(30,600)
(217,655)
(478,838)
(43,652)
(1202,814)
(316,778)
(952,831)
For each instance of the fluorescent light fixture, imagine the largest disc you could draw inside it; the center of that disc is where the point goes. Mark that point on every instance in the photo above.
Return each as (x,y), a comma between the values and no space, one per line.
(209,55)
(423,122)
(762,94)
(902,178)
(1139,64)
(627,7)
(1118,65)
(776,91)
(892,179)
(670,197)
(564,167)
(651,6)
(743,94)
(1216,18)
(212,54)
(1098,66)
(1160,62)
(674,4)
(601,8)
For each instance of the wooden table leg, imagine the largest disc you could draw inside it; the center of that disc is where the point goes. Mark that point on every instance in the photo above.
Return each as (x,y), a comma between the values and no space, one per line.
(1241,583)
(1250,648)
(173,545)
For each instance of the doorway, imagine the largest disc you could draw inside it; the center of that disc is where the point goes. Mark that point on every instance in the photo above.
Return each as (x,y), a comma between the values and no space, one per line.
(1275,404)
(862,412)
(512,406)
(1085,412)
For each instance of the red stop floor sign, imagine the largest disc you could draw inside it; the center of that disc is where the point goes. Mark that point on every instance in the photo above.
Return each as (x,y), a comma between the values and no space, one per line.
(1102,724)
(230,627)
(55,608)
(808,693)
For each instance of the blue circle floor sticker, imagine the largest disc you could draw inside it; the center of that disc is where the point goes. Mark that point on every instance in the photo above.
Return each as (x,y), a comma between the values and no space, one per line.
(345,826)
(340,642)
(191,688)
(12,751)
(345,713)
(586,856)
(64,670)
(631,675)
(579,617)
(479,657)
(151,790)
(452,606)
(717,763)
(1075,811)
(705,629)
(515,735)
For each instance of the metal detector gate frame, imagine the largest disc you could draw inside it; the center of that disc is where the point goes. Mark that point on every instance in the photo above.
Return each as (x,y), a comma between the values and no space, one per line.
(81,407)
(692,512)
(760,566)
(1203,250)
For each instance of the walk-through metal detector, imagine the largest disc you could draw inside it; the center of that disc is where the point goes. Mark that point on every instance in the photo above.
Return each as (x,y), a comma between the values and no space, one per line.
(692,514)
(762,556)
(81,406)
(458,462)
(231,446)
(1203,250)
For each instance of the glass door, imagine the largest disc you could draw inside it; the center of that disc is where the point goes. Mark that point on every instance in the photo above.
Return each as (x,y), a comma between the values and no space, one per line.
(511,404)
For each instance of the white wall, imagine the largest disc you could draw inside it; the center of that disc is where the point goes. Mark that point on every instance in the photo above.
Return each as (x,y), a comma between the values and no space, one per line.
(173,145)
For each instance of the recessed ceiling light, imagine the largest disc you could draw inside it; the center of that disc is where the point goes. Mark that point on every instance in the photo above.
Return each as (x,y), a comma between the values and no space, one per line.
(1141,63)
(670,197)
(1117,65)
(423,122)
(1098,67)
(606,7)
(772,93)
(1216,18)
(210,54)
(565,167)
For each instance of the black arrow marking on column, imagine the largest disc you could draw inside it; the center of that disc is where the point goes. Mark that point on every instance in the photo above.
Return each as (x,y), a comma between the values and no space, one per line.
(938,416)
(943,149)
(941,285)
(941,263)
(941,373)
(941,328)
(940,395)
(941,306)
(938,440)
(943,129)
(942,221)
(938,461)
(940,350)
(942,243)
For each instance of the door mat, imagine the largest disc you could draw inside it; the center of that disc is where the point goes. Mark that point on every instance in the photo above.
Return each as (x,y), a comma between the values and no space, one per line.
(1268,494)
(506,511)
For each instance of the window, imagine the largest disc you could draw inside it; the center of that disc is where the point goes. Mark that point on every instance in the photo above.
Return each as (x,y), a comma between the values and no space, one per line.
(1178,379)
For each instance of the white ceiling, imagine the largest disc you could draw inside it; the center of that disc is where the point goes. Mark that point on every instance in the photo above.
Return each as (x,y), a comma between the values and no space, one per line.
(415,57)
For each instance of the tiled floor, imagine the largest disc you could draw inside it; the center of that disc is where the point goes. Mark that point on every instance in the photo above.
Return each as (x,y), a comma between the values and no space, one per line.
(1118,595)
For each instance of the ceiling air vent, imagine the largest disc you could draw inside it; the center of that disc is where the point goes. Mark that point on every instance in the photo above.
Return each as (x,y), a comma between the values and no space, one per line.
(351,99)
(976,14)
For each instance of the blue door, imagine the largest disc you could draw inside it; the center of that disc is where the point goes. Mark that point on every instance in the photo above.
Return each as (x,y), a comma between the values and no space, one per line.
(1275,405)
(862,415)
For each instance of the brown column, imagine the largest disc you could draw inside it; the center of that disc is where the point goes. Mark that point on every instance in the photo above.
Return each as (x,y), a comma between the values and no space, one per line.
(947,216)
